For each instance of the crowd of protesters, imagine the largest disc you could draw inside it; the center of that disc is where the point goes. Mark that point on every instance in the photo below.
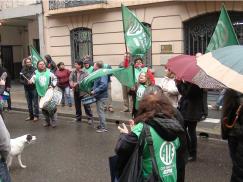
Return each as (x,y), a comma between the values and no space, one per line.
(175,108)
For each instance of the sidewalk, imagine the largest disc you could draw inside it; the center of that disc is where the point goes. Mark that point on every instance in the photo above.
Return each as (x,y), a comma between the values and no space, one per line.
(210,126)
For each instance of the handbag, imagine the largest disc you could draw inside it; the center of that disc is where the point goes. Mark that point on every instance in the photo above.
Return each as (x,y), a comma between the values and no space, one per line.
(133,171)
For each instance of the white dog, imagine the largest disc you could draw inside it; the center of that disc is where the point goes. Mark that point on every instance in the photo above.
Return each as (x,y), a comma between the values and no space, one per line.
(17,147)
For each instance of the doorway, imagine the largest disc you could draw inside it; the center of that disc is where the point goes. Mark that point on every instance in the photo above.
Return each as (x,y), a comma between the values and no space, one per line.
(7,60)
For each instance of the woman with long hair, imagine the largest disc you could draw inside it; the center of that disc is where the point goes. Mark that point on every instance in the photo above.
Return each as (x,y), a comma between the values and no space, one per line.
(156,111)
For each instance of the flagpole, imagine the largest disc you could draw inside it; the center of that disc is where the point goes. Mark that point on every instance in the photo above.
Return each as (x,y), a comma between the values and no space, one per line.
(124,29)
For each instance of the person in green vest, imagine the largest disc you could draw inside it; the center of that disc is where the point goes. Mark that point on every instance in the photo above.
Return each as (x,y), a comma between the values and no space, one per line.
(168,136)
(140,67)
(43,79)
(138,90)
(88,68)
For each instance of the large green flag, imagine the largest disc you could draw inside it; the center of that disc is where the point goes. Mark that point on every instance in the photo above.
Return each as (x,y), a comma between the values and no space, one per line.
(124,75)
(224,34)
(34,56)
(136,35)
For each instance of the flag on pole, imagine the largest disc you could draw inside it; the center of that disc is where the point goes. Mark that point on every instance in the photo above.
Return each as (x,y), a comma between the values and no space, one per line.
(34,56)
(224,34)
(137,36)
(124,75)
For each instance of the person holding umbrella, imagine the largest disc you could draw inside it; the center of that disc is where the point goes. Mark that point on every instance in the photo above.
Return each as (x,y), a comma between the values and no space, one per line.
(193,107)
(232,130)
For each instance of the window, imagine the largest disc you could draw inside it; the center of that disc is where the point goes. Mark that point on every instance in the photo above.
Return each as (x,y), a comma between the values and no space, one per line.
(199,30)
(81,43)
(148,56)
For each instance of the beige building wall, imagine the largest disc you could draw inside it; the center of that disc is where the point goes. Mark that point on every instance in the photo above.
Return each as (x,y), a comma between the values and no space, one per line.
(166,19)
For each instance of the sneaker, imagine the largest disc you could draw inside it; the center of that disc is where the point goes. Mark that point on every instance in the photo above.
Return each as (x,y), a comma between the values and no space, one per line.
(35,119)
(98,127)
(110,109)
(53,126)
(46,124)
(126,110)
(28,119)
(101,130)
(90,121)
(69,105)
(215,107)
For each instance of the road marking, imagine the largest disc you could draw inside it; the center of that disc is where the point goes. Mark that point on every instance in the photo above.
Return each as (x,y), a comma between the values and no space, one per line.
(211,120)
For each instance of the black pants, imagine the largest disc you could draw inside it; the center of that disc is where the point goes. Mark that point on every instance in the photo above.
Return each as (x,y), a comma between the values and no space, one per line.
(32,101)
(236,154)
(191,137)
(87,108)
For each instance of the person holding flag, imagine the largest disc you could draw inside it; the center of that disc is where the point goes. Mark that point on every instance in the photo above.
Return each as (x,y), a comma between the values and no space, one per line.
(30,91)
(43,79)
(75,78)
(88,68)
(100,92)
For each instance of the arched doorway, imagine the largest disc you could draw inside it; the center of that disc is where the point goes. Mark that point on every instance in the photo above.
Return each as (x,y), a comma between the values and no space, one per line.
(198,31)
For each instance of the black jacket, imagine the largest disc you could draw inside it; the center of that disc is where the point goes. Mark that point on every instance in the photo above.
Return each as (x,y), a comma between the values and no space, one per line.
(28,72)
(168,129)
(232,101)
(193,103)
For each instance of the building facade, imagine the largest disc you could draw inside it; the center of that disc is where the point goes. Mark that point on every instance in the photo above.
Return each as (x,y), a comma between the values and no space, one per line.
(71,29)
(74,29)
(20,22)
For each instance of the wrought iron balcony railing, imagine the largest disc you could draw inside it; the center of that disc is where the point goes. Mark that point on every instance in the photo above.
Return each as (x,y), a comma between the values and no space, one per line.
(60,4)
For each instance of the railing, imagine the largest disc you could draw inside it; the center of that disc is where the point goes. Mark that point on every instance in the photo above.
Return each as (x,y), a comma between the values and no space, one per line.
(59,4)
(16,3)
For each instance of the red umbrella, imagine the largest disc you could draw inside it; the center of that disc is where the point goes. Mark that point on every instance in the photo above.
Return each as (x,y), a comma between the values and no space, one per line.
(185,68)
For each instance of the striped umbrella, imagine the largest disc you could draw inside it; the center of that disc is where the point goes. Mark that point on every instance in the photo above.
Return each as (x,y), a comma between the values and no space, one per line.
(185,68)
(225,65)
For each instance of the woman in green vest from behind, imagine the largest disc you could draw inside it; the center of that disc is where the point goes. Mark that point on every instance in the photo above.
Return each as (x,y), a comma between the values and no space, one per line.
(168,135)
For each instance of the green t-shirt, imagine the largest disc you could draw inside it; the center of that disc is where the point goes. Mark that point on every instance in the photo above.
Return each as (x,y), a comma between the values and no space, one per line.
(42,80)
(139,94)
(165,155)
(89,70)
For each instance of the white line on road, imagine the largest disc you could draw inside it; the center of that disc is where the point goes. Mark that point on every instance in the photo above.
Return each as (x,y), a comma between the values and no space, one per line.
(211,120)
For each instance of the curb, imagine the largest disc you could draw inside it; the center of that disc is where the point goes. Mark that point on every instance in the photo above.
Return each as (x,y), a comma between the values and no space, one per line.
(96,118)
(118,121)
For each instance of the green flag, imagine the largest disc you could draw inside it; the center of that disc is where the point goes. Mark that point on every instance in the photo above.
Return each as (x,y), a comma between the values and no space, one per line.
(136,35)
(224,34)
(34,56)
(124,75)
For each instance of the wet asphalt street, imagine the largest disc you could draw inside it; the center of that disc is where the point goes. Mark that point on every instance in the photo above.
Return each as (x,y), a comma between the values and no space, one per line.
(74,152)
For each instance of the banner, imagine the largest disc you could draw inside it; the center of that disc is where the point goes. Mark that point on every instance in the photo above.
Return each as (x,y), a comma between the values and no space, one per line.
(35,56)
(137,36)
(124,75)
(224,34)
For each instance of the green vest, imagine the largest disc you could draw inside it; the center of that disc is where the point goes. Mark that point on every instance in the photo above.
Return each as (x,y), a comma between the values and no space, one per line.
(89,70)
(139,94)
(42,80)
(165,155)
(138,71)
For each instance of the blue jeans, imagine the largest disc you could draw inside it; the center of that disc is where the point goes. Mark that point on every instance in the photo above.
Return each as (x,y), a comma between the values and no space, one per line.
(32,101)
(220,99)
(4,173)
(66,94)
(100,105)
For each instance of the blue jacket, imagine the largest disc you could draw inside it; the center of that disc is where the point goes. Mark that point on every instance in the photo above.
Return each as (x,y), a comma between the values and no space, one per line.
(100,87)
